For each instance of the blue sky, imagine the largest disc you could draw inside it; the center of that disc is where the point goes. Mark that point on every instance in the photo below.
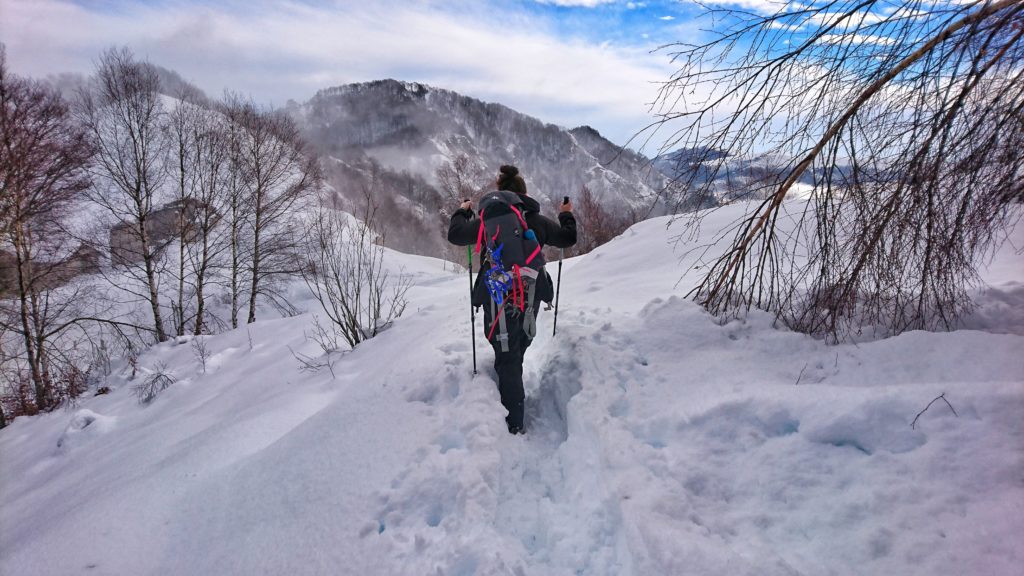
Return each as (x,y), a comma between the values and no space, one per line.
(568,62)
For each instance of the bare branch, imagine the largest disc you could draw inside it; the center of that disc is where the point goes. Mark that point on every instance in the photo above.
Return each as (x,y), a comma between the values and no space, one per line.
(905,124)
(913,425)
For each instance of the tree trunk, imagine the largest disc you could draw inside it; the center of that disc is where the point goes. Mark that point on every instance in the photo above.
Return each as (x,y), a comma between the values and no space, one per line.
(51,399)
(154,299)
(254,288)
(257,225)
(181,268)
(25,312)
(150,264)
(234,264)
(200,285)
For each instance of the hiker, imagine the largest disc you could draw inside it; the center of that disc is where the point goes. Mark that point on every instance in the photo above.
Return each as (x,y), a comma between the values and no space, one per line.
(510,318)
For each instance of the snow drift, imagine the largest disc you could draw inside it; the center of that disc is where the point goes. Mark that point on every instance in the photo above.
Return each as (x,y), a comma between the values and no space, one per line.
(659,442)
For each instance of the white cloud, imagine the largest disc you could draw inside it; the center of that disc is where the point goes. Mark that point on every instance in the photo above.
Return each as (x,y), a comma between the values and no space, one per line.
(778,25)
(667,18)
(847,26)
(857,39)
(576,3)
(847,21)
(758,6)
(287,51)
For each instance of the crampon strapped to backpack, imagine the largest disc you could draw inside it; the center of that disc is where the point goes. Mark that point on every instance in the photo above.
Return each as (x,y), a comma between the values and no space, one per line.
(515,261)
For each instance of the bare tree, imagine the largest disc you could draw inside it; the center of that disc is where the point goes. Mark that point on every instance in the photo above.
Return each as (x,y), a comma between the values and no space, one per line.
(186,122)
(278,175)
(237,184)
(43,156)
(124,117)
(907,119)
(344,269)
(597,225)
(158,380)
(200,162)
(460,178)
(213,199)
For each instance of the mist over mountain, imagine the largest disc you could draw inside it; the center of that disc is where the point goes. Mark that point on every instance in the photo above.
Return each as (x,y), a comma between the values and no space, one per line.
(732,178)
(397,135)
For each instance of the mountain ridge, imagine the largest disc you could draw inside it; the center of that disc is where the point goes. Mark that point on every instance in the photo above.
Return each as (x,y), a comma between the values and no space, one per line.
(403,132)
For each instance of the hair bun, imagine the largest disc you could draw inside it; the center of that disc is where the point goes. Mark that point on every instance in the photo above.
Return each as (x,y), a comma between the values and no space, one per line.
(511,180)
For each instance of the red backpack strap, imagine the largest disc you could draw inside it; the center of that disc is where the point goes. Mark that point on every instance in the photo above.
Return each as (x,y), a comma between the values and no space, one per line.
(520,215)
(520,293)
(480,233)
(533,254)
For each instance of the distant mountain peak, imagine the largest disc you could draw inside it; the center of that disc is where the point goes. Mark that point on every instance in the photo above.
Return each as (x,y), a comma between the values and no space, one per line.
(387,85)
(585,129)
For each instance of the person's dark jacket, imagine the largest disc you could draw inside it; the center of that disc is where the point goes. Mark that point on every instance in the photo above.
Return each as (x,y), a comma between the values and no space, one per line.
(465,226)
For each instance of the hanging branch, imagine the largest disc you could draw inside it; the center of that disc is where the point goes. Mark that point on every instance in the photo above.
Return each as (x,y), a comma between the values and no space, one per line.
(908,125)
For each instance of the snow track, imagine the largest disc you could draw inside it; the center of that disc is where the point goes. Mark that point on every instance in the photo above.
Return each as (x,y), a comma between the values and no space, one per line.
(552,496)
(542,496)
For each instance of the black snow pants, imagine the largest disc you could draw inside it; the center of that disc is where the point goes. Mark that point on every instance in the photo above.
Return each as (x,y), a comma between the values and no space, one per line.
(509,364)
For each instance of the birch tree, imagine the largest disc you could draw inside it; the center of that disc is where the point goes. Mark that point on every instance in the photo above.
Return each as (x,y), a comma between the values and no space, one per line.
(278,176)
(43,158)
(273,177)
(185,122)
(210,224)
(123,115)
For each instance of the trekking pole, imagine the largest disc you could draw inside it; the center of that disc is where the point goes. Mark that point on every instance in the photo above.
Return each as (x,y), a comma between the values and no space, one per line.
(558,289)
(472,310)
(558,285)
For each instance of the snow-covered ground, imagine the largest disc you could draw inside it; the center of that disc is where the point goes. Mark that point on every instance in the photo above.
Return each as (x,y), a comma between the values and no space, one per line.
(660,442)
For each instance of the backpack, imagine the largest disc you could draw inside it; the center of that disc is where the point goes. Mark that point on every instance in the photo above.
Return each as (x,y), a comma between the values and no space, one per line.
(516,261)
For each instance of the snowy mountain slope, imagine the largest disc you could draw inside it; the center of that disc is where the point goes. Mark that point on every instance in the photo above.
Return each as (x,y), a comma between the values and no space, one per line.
(660,442)
(403,132)
(413,127)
